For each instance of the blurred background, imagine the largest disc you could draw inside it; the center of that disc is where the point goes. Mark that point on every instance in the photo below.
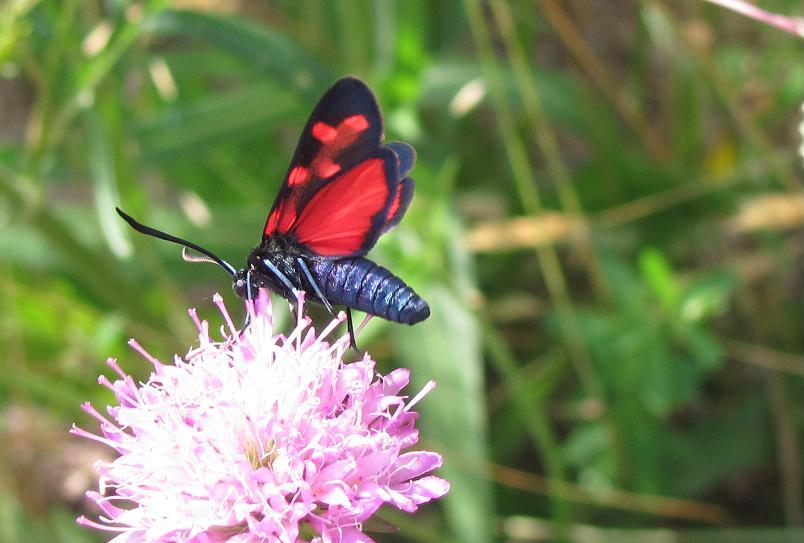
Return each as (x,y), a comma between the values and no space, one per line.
(607,225)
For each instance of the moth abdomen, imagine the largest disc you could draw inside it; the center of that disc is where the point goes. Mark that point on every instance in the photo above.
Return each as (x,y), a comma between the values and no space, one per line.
(361,284)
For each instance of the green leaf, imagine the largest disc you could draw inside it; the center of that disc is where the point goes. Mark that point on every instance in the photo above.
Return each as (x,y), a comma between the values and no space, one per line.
(104,181)
(261,47)
(707,297)
(659,276)
(215,119)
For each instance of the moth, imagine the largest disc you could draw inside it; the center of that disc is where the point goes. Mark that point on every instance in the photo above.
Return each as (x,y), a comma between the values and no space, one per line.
(343,189)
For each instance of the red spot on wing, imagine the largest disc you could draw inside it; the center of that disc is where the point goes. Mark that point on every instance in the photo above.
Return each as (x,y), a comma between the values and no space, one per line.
(298,176)
(338,218)
(326,168)
(281,219)
(395,204)
(333,141)
(287,217)
(399,204)
(271,223)
(355,123)
(324,132)
(342,135)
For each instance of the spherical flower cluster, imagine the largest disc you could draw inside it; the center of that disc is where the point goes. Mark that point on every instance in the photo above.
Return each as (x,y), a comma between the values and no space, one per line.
(259,437)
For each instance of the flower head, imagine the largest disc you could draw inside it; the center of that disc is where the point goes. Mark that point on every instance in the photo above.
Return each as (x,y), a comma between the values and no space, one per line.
(259,437)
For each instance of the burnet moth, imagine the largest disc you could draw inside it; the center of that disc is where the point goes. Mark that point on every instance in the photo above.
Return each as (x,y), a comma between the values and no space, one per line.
(342,191)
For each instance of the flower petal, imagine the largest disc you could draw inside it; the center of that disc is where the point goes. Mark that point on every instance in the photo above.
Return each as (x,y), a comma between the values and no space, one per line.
(413,464)
(427,488)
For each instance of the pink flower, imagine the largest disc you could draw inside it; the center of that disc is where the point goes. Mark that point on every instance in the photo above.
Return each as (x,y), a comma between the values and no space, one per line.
(259,437)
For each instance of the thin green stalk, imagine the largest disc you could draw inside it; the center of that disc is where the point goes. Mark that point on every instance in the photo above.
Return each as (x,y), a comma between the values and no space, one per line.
(86,83)
(597,72)
(526,83)
(45,76)
(696,188)
(531,202)
(709,70)
(545,135)
(789,452)
(531,416)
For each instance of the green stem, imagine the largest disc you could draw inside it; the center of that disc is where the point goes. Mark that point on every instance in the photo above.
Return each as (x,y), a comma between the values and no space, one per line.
(534,421)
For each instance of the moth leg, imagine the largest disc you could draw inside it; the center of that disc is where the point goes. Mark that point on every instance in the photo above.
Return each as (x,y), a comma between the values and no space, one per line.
(351,328)
(249,286)
(249,296)
(366,320)
(279,275)
(288,285)
(314,284)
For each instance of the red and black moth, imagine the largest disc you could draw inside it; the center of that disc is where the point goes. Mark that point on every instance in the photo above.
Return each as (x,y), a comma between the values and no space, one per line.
(344,189)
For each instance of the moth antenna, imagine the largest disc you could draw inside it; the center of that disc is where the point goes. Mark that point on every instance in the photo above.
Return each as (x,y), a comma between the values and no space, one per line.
(153,232)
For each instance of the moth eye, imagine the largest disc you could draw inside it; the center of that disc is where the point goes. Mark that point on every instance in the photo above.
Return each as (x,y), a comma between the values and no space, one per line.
(239,286)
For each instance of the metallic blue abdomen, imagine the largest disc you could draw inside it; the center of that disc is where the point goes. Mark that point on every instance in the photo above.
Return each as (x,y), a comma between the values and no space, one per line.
(363,285)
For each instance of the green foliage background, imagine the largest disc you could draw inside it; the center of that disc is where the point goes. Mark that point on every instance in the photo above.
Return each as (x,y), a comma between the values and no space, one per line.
(607,225)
